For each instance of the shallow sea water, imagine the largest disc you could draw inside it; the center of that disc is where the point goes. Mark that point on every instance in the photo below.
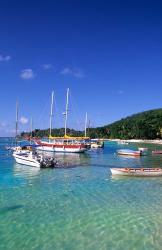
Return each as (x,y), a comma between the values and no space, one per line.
(80,205)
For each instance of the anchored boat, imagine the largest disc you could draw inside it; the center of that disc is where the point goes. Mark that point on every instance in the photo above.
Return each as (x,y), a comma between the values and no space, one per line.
(65,144)
(129,152)
(35,160)
(157,152)
(138,172)
(97,143)
(123,142)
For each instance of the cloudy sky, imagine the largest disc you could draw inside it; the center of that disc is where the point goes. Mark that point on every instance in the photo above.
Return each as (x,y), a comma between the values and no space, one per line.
(109,53)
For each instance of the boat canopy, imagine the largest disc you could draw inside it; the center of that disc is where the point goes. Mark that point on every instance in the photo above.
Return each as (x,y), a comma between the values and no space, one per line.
(69,137)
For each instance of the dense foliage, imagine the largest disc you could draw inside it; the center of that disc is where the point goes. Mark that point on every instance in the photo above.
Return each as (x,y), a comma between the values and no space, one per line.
(145,125)
(39,133)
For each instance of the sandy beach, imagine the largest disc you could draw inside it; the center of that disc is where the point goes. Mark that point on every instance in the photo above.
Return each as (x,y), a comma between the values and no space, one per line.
(157,141)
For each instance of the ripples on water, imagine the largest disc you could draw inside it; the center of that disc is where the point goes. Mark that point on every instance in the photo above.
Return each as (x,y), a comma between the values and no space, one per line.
(80,205)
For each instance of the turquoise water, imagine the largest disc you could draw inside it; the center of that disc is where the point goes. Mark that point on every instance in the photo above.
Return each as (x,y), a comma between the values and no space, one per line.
(80,206)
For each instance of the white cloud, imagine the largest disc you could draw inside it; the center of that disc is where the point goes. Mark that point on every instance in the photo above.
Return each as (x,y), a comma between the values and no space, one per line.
(120,92)
(3,124)
(5,58)
(5,129)
(23,120)
(76,72)
(66,71)
(27,74)
(47,66)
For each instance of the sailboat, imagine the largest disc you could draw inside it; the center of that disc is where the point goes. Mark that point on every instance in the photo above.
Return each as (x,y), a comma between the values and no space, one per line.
(17,148)
(65,144)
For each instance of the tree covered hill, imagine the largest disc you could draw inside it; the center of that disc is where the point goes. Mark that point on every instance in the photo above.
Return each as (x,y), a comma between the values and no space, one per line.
(145,125)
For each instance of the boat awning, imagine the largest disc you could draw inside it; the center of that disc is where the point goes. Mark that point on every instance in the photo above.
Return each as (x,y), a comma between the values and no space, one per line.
(70,137)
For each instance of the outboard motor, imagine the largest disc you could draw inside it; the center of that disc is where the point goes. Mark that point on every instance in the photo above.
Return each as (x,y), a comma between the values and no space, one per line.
(48,162)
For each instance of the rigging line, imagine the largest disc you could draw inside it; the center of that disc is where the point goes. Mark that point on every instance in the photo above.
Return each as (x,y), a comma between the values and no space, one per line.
(40,118)
(57,112)
(79,121)
(58,118)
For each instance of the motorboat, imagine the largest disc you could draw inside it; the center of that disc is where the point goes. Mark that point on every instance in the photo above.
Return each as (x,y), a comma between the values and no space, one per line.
(123,142)
(157,152)
(138,172)
(129,152)
(35,160)
(96,143)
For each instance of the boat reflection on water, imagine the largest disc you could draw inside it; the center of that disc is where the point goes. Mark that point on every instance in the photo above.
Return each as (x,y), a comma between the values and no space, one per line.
(69,159)
(126,178)
(128,161)
(25,171)
(120,177)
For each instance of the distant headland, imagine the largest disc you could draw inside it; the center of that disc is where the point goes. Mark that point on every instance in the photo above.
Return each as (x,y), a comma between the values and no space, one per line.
(146,125)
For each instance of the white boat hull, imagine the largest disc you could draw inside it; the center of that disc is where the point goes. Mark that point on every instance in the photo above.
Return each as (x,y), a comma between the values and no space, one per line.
(129,152)
(123,143)
(143,172)
(26,161)
(61,149)
(95,145)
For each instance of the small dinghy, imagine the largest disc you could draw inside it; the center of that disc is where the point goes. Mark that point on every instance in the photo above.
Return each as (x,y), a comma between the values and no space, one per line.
(157,152)
(97,143)
(139,172)
(123,142)
(34,160)
(128,152)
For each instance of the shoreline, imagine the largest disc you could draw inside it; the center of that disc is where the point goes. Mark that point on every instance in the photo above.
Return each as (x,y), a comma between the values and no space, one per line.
(156,141)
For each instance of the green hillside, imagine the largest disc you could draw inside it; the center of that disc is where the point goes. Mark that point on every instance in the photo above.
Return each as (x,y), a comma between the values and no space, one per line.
(145,125)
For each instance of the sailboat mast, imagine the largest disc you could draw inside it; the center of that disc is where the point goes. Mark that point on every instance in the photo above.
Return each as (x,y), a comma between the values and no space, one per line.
(85,125)
(51,114)
(66,112)
(31,126)
(17,117)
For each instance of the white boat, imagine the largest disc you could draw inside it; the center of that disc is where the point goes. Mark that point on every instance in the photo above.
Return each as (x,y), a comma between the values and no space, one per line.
(96,143)
(34,160)
(129,152)
(123,142)
(157,152)
(65,144)
(138,172)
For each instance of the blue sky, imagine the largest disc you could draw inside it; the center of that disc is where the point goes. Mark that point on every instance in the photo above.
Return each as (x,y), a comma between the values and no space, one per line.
(109,53)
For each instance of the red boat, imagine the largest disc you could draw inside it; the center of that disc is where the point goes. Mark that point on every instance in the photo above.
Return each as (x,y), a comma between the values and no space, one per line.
(64,144)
